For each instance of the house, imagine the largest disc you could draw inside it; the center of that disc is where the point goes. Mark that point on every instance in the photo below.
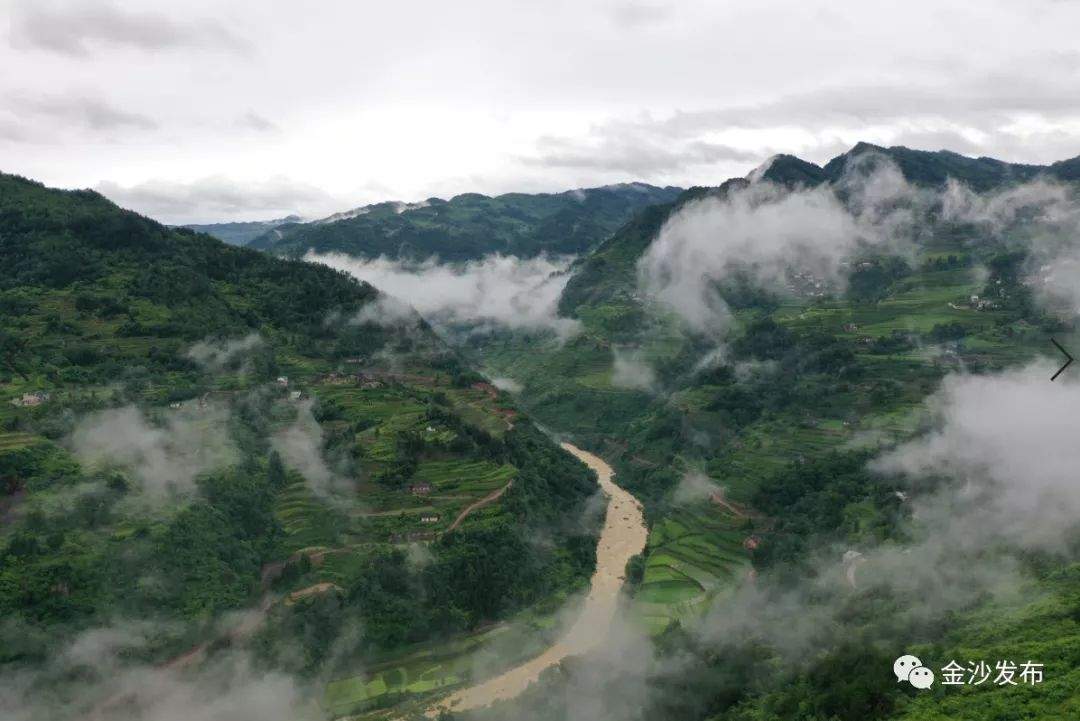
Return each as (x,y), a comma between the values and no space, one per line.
(283,381)
(850,327)
(33,399)
(365,381)
(175,405)
(429,519)
(295,395)
(420,489)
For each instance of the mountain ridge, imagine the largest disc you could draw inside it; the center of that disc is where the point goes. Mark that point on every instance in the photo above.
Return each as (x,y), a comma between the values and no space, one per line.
(469,226)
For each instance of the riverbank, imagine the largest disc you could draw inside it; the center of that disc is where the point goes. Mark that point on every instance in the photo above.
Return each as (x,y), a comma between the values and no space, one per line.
(623,536)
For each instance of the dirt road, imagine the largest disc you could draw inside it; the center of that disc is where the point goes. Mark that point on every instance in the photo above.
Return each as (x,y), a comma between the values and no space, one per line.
(489,498)
(623,536)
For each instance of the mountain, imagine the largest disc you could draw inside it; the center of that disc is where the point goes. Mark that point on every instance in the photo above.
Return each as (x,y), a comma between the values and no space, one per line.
(471,225)
(241,233)
(611,269)
(190,429)
(774,583)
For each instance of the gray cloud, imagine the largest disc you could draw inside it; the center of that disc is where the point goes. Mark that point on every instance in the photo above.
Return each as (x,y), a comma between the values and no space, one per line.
(215,197)
(619,149)
(35,115)
(74,28)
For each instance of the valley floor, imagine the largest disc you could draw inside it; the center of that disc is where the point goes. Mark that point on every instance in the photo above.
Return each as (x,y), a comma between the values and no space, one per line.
(623,537)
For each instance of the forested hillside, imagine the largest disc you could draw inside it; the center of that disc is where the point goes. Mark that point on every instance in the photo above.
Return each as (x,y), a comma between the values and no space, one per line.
(470,226)
(189,429)
(752,399)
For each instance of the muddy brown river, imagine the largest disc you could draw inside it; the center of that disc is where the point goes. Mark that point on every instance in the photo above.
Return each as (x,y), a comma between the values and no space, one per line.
(622,537)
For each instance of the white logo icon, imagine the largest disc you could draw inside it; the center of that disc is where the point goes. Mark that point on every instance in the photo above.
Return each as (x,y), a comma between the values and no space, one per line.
(909,668)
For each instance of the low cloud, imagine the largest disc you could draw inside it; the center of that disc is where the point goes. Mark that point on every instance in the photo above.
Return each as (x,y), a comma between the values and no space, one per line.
(76,28)
(386,311)
(1008,438)
(629,370)
(108,685)
(507,384)
(216,356)
(762,229)
(497,290)
(694,487)
(1045,216)
(301,447)
(165,457)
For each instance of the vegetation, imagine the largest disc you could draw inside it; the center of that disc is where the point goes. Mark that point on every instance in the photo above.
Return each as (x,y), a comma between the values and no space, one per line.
(781,430)
(391,507)
(470,226)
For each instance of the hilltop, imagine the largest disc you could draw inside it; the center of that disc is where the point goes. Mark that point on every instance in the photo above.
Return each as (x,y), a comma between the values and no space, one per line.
(471,225)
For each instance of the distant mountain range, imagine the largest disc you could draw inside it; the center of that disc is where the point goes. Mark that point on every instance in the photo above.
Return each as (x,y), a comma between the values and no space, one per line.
(470,225)
(241,233)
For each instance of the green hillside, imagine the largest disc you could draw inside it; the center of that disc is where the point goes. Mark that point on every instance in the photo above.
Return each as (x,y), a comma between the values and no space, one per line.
(608,275)
(471,226)
(189,429)
(810,387)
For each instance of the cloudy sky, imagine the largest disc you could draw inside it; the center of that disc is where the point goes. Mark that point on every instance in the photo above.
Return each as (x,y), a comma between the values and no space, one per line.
(247,109)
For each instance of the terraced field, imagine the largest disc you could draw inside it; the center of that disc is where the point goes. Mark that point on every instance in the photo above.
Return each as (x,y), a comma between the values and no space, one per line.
(15,441)
(309,523)
(691,554)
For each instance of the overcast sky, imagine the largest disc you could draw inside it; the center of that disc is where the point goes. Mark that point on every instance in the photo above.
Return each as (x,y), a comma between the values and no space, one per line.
(234,109)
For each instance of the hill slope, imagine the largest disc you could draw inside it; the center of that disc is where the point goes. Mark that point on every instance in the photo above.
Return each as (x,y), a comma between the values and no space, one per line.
(751,446)
(610,271)
(189,428)
(470,226)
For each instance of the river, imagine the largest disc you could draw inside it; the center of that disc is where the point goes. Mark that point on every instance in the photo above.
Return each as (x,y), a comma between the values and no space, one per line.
(622,537)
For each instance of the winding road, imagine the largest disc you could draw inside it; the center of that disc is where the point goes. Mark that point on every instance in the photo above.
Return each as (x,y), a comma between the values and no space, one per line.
(622,537)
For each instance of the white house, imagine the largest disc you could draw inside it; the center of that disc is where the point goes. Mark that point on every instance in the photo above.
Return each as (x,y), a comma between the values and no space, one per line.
(33,399)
